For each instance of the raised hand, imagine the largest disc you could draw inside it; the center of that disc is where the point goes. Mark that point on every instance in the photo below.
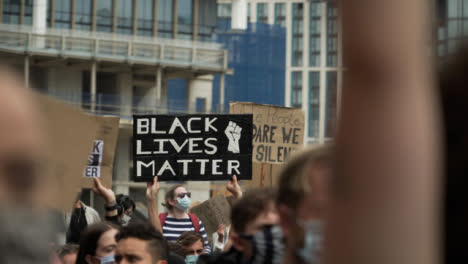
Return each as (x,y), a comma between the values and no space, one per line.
(104,192)
(234,187)
(152,189)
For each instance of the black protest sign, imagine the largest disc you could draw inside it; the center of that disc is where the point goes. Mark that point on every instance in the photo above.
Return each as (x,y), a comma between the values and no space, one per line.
(192,147)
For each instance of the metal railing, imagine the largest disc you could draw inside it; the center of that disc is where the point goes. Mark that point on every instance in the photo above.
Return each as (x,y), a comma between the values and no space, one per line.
(111,104)
(113,47)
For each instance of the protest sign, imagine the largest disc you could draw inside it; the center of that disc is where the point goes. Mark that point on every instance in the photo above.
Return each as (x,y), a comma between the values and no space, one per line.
(277,131)
(70,133)
(213,212)
(192,147)
(101,159)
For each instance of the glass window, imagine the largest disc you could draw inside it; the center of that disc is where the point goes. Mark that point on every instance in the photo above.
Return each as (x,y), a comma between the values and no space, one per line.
(315,34)
(206,20)
(28,6)
(145,17)
(453,28)
(332,35)
(248,13)
(83,15)
(296,89)
(314,104)
(11,11)
(280,14)
(104,15)
(125,17)
(465,8)
(184,19)
(62,14)
(48,13)
(165,19)
(224,10)
(331,107)
(453,7)
(262,13)
(297,34)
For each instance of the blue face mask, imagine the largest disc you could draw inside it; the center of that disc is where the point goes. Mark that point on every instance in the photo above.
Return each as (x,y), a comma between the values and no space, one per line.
(191,259)
(313,236)
(107,259)
(183,203)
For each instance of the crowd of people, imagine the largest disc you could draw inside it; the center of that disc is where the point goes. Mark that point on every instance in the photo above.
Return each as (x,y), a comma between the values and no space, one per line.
(281,225)
(390,188)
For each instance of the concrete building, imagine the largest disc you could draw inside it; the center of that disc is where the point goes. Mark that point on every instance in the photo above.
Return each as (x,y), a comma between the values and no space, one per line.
(314,67)
(115,57)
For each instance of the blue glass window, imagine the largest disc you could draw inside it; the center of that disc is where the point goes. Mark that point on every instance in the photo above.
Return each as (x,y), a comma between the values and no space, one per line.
(315,37)
(296,89)
(104,15)
(280,14)
(184,19)
(331,107)
(62,14)
(83,15)
(165,18)
(11,11)
(262,13)
(314,104)
(297,34)
(145,17)
(332,35)
(125,17)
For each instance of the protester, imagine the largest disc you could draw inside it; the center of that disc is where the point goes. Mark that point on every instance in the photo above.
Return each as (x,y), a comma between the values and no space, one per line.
(79,219)
(301,201)
(118,214)
(68,253)
(255,234)
(97,244)
(25,228)
(192,245)
(141,243)
(126,208)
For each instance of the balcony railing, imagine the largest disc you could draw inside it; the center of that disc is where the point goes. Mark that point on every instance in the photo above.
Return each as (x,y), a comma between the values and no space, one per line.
(113,47)
(111,104)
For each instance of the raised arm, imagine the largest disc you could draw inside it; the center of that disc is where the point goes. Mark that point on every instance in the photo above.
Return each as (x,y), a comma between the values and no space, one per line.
(152,189)
(385,197)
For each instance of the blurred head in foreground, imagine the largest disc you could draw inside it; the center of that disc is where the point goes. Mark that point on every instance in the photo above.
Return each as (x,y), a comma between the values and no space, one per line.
(25,228)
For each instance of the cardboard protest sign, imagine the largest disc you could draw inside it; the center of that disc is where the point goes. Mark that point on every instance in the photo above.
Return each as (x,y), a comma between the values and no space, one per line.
(213,212)
(70,133)
(264,175)
(192,147)
(277,131)
(101,159)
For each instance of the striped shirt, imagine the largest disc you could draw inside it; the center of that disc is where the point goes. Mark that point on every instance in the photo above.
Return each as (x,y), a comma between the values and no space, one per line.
(173,228)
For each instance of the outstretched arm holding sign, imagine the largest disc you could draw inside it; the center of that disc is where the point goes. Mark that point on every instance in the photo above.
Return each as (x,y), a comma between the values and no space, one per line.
(109,197)
(152,189)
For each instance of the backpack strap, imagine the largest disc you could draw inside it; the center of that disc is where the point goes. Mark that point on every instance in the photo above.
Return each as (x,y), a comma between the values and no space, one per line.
(162,218)
(195,222)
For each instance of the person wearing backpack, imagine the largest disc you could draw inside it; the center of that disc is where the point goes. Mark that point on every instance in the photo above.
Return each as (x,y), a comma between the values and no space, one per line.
(177,220)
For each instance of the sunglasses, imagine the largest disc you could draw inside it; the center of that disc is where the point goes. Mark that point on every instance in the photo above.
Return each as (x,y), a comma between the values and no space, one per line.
(182,195)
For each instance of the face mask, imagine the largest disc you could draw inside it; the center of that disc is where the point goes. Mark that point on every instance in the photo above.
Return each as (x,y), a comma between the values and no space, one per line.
(191,259)
(183,203)
(126,219)
(107,259)
(268,246)
(313,234)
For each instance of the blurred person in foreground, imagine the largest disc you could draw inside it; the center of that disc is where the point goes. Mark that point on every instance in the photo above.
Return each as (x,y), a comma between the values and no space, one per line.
(97,244)
(255,233)
(141,244)
(302,203)
(26,228)
(385,192)
(67,253)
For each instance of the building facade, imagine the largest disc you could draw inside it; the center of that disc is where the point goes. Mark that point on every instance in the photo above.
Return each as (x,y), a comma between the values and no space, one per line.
(116,57)
(314,67)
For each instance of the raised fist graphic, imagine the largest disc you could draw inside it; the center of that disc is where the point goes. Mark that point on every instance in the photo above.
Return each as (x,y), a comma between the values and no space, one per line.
(233,133)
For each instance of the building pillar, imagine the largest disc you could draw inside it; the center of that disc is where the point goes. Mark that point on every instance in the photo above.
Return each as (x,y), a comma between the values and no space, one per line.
(39,20)
(135,15)
(195,19)
(175,18)
(239,14)
(221,92)
(155,20)
(157,87)
(22,9)
(125,89)
(26,71)
(93,16)
(93,87)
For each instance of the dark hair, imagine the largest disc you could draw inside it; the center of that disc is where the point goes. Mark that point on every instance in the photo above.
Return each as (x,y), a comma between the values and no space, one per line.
(66,249)
(89,240)
(125,203)
(189,238)
(252,204)
(157,245)
(453,84)
(170,196)
(176,248)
